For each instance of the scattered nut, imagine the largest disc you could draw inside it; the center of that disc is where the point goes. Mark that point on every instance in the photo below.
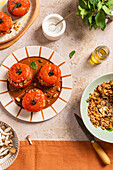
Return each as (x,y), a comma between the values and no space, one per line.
(12,150)
(29,139)
(17,99)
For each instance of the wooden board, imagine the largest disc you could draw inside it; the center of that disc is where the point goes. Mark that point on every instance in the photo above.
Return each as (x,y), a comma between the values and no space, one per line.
(21,33)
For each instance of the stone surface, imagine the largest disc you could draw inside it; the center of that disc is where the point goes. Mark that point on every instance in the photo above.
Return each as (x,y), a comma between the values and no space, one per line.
(77,37)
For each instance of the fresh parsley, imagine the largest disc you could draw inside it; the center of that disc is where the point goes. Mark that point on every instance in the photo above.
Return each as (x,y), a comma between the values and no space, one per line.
(71,54)
(95,12)
(110,130)
(33,65)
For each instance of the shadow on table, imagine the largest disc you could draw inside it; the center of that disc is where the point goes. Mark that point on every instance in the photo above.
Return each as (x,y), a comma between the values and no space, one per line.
(74,22)
(38,34)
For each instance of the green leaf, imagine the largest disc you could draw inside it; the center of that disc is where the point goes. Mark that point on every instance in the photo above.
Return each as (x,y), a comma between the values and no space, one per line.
(95,26)
(91,22)
(87,16)
(71,54)
(110,130)
(106,10)
(83,13)
(89,5)
(19,71)
(51,73)
(90,19)
(109,3)
(99,5)
(100,20)
(78,12)
(40,61)
(95,6)
(92,1)
(33,102)
(84,18)
(90,27)
(33,65)
(83,4)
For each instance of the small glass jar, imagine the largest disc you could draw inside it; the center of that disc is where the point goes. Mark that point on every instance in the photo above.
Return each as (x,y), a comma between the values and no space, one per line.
(100,53)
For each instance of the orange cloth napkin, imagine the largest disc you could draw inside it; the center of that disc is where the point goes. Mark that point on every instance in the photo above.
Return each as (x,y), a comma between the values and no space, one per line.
(60,155)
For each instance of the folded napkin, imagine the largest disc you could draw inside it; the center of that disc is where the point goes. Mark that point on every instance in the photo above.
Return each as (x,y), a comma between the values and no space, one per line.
(60,155)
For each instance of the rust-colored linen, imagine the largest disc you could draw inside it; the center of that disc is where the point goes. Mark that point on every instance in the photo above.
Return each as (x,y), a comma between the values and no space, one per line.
(60,155)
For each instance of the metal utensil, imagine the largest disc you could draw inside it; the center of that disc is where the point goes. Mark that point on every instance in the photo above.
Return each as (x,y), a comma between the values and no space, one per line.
(95,145)
(65,18)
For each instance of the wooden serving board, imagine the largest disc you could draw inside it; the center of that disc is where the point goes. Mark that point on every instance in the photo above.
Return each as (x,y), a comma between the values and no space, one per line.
(34,16)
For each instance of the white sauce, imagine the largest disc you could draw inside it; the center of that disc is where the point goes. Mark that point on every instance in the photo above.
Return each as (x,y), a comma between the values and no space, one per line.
(50,25)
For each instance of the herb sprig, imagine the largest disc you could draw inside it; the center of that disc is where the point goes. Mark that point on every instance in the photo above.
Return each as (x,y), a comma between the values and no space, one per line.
(71,54)
(33,65)
(110,130)
(95,11)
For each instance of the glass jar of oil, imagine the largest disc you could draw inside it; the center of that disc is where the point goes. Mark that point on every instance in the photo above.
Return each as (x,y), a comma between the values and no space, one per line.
(100,53)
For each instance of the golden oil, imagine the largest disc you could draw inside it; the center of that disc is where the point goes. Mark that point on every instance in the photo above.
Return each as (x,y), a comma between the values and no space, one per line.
(100,53)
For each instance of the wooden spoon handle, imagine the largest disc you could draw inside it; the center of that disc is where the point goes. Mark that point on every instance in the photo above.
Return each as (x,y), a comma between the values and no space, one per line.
(101,153)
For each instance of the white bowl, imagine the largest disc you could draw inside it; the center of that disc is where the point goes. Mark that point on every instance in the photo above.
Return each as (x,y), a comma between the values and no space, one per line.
(97,132)
(53,18)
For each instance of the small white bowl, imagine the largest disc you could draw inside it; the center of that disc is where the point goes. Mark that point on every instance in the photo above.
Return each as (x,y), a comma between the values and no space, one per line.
(49,21)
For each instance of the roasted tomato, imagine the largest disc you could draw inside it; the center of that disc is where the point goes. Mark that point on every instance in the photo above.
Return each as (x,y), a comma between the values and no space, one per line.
(19,75)
(18,8)
(49,75)
(5,23)
(34,100)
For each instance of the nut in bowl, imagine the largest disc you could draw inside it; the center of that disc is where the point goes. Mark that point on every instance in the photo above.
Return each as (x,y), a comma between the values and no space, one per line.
(9,145)
(98,119)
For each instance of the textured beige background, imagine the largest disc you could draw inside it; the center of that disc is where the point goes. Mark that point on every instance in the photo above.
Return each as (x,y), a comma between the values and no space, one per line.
(77,37)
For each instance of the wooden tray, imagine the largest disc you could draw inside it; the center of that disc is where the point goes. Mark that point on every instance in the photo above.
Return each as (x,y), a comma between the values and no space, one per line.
(34,16)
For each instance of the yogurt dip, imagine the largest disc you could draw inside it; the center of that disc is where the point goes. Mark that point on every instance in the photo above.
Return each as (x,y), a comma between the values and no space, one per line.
(51,31)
